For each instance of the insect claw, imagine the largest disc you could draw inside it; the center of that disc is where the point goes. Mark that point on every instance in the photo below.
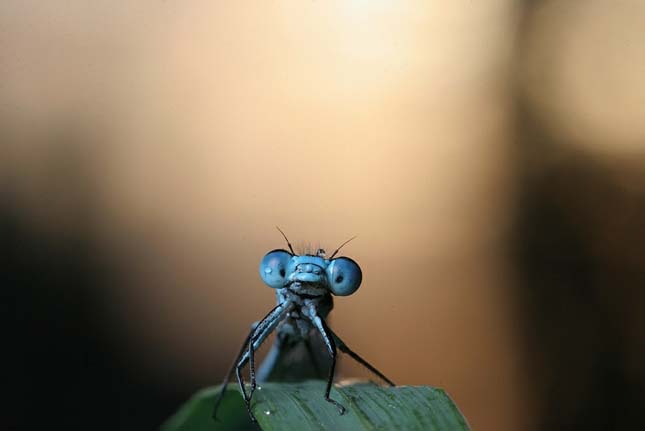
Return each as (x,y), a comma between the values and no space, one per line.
(339,406)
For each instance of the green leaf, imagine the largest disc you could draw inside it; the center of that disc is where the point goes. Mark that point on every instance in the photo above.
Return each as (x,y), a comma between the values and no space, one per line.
(301,406)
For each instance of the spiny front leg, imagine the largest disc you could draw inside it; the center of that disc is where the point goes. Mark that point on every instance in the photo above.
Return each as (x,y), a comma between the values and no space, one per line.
(240,382)
(261,332)
(243,358)
(266,326)
(220,396)
(320,324)
(252,369)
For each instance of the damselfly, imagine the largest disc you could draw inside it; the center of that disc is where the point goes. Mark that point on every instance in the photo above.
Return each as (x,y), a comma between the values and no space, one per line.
(304,287)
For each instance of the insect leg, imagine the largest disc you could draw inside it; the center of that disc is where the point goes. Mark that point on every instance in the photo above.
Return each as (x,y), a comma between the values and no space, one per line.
(343,348)
(222,391)
(331,347)
(271,323)
(241,359)
(263,329)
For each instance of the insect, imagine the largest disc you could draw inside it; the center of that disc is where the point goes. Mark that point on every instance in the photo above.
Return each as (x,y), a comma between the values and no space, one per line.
(304,286)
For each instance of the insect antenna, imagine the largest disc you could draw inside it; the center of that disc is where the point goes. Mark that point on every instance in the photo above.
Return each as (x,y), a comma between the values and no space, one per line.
(341,246)
(286,239)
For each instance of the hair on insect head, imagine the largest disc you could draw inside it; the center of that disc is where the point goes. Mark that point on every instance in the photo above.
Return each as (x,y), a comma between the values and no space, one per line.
(320,251)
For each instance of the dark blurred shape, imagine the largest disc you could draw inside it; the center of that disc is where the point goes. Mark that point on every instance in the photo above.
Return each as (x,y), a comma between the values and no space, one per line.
(579,249)
(579,304)
(63,371)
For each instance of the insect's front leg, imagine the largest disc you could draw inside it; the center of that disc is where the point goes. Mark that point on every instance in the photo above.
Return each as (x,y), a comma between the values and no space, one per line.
(325,332)
(222,391)
(271,322)
(241,359)
(260,333)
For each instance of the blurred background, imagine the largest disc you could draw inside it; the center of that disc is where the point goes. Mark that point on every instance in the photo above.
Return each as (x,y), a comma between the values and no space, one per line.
(490,156)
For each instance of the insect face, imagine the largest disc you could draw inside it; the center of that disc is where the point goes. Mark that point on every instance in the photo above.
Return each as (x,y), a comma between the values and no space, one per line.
(279,268)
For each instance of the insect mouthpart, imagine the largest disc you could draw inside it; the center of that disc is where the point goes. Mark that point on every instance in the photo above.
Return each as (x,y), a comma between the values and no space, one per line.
(308,273)
(308,267)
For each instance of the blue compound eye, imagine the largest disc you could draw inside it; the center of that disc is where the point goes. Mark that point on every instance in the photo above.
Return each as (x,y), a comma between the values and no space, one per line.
(273,268)
(344,276)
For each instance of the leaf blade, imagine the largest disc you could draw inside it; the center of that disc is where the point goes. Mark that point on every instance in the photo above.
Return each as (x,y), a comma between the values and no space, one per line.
(301,406)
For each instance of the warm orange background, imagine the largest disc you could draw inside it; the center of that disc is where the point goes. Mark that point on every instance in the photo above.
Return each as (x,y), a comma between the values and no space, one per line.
(199,126)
